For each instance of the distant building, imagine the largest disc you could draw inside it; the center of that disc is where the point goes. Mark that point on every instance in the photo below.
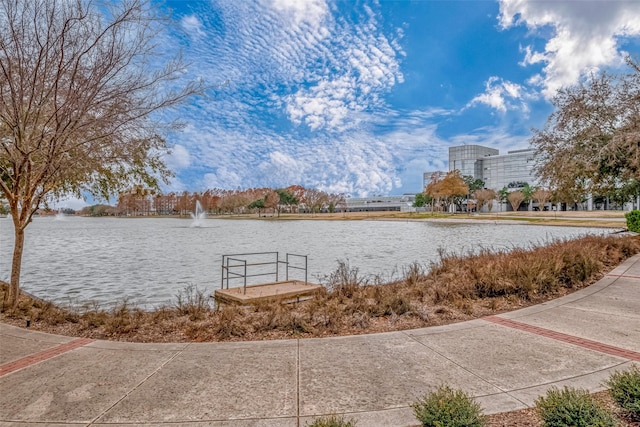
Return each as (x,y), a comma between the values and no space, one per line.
(402,203)
(468,159)
(428,176)
(511,170)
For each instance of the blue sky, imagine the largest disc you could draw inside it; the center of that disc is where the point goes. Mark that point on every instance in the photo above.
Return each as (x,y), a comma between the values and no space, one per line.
(362,97)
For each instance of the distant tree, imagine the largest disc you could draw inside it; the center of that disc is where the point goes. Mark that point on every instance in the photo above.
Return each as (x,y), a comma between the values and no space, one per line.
(527,193)
(631,190)
(164,203)
(4,207)
(335,202)
(541,196)
(515,199)
(298,192)
(433,190)
(625,193)
(503,196)
(209,200)
(76,103)
(341,202)
(453,188)
(315,199)
(589,144)
(483,197)
(97,210)
(421,200)
(185,203)
(287,198)
(258,205)
(490,203)
(272,201)
(473,183)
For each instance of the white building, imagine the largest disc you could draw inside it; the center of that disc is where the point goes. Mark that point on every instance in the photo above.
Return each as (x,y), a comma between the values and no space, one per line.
(511,170)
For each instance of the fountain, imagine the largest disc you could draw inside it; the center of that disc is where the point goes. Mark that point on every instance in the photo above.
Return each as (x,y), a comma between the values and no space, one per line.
(198,215)
(60,216)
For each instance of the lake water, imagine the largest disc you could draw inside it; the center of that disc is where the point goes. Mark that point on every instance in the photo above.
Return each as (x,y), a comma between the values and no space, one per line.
(149,260)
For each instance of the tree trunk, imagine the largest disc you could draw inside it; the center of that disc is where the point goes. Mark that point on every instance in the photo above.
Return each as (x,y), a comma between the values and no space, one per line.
(14,288)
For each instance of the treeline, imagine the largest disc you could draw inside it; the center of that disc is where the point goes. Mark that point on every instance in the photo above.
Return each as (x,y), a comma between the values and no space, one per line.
(140,201)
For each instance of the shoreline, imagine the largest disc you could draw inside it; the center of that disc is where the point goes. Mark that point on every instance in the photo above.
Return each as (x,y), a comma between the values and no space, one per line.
(456,289)
(595,219)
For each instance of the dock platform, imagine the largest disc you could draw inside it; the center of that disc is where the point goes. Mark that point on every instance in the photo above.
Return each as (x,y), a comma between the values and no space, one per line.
(285,291)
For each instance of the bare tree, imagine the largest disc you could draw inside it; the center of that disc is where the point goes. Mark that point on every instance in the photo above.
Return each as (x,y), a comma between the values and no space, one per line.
(77,97)
(315,199)
(483,197)
(516,198)
(433,189)
(336,201)
(541,196)
(272,201)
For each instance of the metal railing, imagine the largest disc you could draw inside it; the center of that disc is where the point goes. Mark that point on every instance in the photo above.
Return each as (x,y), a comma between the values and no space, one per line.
(258,264)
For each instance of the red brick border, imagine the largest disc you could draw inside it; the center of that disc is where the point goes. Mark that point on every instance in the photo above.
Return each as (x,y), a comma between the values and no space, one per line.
(581,342)
(32,359)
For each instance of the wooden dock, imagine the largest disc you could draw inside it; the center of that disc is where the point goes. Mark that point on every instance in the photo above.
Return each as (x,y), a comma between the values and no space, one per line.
(286,291)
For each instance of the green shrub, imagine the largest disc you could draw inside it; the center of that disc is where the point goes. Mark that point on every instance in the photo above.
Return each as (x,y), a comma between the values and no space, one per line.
(624,388)
(332,421)
(633,220)
(572,407)
(450,408)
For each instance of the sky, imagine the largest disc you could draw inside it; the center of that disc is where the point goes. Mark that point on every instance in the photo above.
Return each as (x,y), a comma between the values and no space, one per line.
(361,97)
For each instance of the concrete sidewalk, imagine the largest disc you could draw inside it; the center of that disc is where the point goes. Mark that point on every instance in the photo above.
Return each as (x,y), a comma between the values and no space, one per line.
(504,361)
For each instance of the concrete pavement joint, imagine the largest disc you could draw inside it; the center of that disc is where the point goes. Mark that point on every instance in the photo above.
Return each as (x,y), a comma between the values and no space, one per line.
(71,395)
(571,339)
(298,382)
(575,377)
(467,370)
(596,310)
(179,352)
(624,276)
(41,356)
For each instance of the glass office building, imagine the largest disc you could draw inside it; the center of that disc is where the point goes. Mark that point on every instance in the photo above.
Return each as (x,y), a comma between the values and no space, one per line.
(468,159)
(511,170)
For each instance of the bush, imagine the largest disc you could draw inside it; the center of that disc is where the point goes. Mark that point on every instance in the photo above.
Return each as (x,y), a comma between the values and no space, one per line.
(448,407)
(332,421)
(624,388)
(572,407)
(633,220)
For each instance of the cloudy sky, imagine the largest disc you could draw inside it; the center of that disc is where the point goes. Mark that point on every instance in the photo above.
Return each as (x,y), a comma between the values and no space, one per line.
(362,97)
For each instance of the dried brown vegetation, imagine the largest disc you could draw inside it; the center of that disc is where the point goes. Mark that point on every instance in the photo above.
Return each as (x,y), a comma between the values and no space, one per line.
(529,418)
(455,288)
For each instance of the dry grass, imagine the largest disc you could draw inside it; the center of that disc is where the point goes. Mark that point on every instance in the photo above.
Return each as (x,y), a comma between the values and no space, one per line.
(529,418)
(454,288)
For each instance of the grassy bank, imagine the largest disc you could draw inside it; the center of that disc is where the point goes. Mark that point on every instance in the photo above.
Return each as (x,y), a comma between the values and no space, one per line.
(455,288)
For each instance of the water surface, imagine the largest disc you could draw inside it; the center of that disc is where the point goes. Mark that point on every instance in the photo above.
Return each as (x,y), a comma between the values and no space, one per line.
(149,260)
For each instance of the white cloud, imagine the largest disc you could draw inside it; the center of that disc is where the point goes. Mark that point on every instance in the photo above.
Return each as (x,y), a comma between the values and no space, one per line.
(308,11)
(585,36)
(70,202)
(192,25)
(302,85)
(179,158)
(502,95)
